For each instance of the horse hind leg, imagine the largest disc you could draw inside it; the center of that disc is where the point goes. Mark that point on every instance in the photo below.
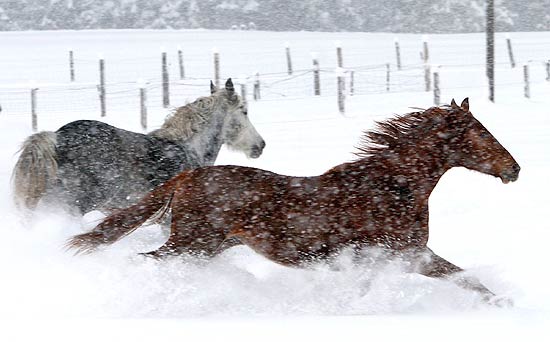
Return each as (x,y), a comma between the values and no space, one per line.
(171,248)
(196,239)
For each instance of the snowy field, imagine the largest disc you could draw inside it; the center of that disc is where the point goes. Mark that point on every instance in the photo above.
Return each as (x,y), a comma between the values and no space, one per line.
(498,232)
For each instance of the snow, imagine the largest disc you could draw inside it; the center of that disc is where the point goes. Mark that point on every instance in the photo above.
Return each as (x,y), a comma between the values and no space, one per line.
(498,232)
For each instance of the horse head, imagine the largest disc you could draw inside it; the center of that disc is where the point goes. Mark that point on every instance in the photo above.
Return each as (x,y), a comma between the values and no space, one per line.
(472,146)
(238,132)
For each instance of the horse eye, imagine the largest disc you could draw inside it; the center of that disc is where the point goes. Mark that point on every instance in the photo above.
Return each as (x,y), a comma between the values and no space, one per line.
(245,112)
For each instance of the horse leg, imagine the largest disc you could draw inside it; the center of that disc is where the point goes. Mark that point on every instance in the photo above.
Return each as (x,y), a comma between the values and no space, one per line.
(176,246)
(164,251)
(192,234)
(432,265)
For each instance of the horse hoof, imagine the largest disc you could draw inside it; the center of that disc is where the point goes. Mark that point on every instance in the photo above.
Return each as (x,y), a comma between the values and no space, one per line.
(151,255)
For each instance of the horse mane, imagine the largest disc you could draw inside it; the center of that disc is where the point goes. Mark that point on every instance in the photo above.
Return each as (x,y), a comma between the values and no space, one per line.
(190,119)
(406,127)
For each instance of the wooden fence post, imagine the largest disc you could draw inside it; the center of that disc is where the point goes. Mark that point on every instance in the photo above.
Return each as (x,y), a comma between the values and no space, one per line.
(288,59)
(437,91)
(34,115)
(71,65)
(257,87)
(216,55)
(387,76)
(243,91)
(339,57)
(316,75)
(165,80)
(510,52)
(397,54)
(490,47)
(102,99)
(242,80)
(351,82)
(180,63)
(426,58)
(526,91)
(143,103)
(341,78)
(340,75)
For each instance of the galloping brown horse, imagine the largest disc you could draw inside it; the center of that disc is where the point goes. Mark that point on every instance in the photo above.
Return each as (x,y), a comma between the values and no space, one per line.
(381,199)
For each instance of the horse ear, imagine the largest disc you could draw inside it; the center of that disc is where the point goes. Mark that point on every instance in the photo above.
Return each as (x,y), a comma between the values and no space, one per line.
(453,104)
(465,105)
(229,85)
(213,88)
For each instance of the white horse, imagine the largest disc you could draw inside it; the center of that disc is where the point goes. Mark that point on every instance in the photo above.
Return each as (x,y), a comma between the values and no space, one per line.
(90,165)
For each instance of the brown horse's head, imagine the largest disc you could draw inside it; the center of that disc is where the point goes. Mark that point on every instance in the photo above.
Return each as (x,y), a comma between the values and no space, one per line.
(472,146)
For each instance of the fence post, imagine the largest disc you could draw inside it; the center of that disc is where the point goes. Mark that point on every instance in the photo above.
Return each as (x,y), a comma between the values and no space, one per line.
(490,47)
(257,87)
(387,76)
(71,64)
(510,52)
(548,70)
(34,115)
(351,82)
(165,80)
(242,80)
(526,91)
(143,103)
(437,91)
(340,75)
(397,54)
(339,57)
(341,79)
(426,58)
(243,91)
(216,55)
(316,75)
(288,58)
(102,99)
(180,63)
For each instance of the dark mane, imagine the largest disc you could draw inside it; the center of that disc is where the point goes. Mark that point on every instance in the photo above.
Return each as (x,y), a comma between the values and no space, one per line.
(406,127)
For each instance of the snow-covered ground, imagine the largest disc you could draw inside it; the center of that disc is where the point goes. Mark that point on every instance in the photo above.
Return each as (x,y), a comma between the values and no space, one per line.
(499,233)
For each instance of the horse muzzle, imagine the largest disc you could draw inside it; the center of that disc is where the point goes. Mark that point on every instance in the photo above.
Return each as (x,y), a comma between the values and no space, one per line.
(511,174)
(256,150)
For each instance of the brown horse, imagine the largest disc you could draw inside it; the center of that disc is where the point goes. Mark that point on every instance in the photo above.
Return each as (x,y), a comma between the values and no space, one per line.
(381,199)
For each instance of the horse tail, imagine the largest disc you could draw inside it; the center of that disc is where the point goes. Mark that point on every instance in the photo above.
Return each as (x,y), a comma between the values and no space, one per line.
(35,169)
(124,221)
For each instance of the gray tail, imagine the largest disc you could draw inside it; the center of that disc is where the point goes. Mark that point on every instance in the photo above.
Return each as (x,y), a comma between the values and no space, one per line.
(35,169)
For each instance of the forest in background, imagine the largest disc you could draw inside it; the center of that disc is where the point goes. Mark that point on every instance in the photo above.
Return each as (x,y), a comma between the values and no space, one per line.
(414,16)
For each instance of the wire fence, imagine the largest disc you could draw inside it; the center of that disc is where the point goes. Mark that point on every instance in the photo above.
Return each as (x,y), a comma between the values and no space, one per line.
(122,95)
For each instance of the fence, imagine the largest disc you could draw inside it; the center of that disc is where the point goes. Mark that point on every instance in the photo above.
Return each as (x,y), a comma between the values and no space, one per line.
(338,80)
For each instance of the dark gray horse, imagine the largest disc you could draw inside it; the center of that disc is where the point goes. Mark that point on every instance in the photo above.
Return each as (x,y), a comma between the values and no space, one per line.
(90,165)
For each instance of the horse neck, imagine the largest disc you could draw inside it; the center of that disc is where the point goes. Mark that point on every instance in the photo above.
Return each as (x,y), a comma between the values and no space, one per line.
(200,133)
(420,169)
(208,143)
(421,164)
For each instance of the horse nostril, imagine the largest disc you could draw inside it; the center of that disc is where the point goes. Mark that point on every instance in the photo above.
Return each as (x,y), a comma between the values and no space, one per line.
(262,145)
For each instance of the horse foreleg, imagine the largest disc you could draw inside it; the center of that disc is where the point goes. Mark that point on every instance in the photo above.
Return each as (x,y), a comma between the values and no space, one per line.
(432,265)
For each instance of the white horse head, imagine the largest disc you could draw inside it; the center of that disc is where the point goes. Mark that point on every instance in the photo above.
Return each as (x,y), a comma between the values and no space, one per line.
(238,132)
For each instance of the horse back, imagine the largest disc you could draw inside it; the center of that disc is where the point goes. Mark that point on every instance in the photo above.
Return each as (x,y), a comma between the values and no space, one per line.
(99,162)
